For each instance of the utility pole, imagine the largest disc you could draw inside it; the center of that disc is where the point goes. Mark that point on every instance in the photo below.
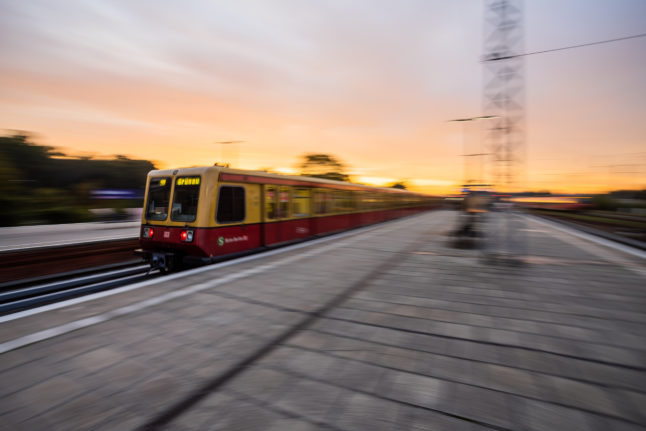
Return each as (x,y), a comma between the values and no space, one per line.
(504,101)
(504,89)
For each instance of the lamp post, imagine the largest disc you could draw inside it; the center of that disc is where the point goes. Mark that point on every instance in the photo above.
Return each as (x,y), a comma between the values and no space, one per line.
(222,150)
(464,143)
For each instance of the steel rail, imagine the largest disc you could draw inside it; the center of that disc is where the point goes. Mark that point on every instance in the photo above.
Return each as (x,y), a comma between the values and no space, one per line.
(37,295)
(637,244)
(61,276)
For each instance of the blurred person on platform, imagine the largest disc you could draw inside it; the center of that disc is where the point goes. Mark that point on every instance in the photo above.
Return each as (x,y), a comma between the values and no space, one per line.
(474,205)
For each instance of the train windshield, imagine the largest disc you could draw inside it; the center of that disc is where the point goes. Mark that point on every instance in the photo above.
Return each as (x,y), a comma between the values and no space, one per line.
(187,192)
(158,197)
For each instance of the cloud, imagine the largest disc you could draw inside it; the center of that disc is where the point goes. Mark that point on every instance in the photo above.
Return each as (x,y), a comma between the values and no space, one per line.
(370,81)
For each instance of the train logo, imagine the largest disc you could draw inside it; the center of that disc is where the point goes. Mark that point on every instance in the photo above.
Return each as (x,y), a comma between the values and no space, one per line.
(221,241)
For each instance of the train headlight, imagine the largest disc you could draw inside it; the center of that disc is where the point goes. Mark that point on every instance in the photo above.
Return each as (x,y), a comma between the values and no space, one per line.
(148,232)
(186,235)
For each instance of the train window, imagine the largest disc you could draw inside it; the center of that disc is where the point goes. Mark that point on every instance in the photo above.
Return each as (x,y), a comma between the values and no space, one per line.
(187,192)
(336,201)
(370,201)
(158,199)
(301,202)
(348,202)
(353,201)
(270,202)
(231,204)
(365,200)
(341,201)
(388,201)
(283,202)
(322,202)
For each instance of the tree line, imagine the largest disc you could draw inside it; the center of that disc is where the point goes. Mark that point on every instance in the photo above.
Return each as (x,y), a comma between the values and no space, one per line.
(330,168)
(39,184)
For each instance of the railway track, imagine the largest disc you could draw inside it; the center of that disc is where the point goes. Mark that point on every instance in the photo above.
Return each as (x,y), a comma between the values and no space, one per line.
(52,260)
(42,275)
(633,235)
(23,294)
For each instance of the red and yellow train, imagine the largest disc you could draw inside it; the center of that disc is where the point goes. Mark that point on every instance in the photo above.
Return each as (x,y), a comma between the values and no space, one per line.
(199,215)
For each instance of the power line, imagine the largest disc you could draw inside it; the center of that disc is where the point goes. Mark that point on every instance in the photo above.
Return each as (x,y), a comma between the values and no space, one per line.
(493,57)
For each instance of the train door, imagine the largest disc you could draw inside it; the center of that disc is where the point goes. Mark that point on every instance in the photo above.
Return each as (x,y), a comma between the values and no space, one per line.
(277,226)
(340,220)
(354,206)
(270,215)
(237,220)
(301,209)
(323,210)
(284,231)
(318,210)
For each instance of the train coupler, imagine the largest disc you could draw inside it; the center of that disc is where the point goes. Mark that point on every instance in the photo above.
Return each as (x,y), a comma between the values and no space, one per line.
(159,261)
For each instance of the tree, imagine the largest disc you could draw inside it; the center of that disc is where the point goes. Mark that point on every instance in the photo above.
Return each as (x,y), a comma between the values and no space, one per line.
(399,185)
(37,185)
(323,166)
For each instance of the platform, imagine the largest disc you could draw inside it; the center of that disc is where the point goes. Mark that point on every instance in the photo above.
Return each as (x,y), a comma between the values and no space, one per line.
(389,327)
(56,235)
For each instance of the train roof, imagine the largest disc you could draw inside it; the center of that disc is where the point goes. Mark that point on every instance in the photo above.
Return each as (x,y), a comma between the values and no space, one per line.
(312,181)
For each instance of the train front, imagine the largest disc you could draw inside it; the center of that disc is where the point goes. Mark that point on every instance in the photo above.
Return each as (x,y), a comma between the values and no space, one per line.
(176,208)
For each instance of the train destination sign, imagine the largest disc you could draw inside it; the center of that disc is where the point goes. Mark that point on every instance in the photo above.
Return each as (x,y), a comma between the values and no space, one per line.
(188,181)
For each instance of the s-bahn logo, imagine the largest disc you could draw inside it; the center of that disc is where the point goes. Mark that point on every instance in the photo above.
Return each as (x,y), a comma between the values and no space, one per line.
(222,240)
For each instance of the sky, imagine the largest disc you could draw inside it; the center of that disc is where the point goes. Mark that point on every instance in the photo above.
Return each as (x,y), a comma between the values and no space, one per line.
(372,82)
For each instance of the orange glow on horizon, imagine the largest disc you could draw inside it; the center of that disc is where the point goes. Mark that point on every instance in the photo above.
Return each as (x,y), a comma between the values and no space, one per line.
(451,182)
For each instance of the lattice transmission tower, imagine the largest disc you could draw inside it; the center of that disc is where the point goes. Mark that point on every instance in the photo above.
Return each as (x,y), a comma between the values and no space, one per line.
(504,90)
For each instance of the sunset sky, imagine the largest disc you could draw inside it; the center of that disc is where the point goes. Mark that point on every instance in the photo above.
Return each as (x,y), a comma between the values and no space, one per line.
(372,82)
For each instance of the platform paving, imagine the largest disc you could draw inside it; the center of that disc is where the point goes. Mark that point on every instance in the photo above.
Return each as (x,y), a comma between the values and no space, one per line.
(392,327)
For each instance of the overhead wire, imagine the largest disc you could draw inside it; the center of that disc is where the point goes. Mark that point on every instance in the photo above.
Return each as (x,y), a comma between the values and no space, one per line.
(635,36)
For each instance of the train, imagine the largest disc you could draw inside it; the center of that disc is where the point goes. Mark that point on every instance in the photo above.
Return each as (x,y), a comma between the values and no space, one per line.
(200,215)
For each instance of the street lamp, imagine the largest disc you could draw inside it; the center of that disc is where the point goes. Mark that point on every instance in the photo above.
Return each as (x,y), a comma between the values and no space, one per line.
(464,143)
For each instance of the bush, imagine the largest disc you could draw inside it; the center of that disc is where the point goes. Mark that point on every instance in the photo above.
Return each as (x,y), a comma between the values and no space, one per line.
(605,203)
(58,215)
